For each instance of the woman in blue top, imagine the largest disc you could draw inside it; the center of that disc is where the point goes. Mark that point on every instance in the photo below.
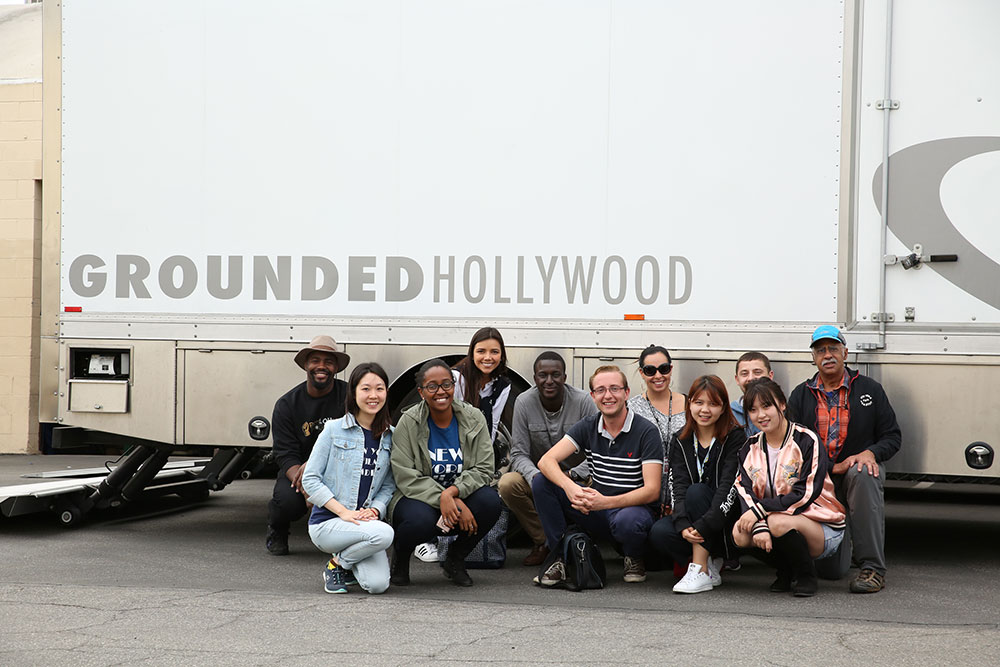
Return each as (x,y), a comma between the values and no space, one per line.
(349,482)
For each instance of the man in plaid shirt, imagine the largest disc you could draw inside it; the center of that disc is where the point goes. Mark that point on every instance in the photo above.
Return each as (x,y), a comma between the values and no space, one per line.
(854,420)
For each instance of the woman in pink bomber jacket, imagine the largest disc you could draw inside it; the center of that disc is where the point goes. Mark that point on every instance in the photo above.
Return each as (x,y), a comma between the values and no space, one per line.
(790,511)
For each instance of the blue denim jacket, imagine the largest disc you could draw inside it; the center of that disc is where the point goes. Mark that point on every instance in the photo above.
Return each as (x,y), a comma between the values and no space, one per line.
(334,467)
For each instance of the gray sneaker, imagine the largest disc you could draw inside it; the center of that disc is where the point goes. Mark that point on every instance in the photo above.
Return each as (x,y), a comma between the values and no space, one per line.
(635,570)
(555,574)
(334,579)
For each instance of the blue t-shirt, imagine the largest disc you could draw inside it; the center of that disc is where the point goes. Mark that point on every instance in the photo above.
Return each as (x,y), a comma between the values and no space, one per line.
(367,467)
(616,464)
(445,451)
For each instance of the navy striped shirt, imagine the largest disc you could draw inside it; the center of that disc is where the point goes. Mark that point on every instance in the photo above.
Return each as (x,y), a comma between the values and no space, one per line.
(616,463)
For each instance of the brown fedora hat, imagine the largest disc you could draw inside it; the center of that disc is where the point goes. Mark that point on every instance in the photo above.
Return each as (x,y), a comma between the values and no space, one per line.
(322,344)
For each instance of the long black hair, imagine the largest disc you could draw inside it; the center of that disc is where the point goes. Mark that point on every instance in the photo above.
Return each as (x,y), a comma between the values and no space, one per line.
(380,424)
(470,372)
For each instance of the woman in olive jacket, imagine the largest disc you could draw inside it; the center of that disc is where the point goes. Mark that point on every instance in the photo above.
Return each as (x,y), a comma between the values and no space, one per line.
(442,461)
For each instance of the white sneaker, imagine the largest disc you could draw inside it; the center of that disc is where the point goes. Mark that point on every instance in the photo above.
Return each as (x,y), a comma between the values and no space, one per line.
(715,571)
(427,552)
(695,581)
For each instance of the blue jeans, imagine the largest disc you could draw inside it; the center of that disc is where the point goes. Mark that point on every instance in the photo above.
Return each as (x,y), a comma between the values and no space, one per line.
(359,548)
(416,522)
(629,526)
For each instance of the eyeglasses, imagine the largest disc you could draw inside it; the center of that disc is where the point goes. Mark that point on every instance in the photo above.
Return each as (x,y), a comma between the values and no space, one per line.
(649,370)
(600,391)
(554,375)
(432,387)
(823,350)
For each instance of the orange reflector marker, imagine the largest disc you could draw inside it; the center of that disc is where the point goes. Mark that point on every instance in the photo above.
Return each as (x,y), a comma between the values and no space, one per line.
(73,309)
(638,317)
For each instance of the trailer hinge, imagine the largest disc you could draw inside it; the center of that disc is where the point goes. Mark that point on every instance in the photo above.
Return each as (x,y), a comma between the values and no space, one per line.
(883,317)
(891,105)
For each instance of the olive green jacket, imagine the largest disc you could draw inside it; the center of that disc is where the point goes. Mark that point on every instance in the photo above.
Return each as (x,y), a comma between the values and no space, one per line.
(411,460)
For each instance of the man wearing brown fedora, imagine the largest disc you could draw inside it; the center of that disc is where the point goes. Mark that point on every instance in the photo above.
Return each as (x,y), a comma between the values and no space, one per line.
(297,420)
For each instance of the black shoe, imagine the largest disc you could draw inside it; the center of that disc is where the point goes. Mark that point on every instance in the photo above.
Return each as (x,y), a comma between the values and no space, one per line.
(805,585)
(276,541)
(455,570)
(782,582)
(399,571)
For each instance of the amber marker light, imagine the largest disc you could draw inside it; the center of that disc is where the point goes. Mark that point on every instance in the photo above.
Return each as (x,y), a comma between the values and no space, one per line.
(634,317)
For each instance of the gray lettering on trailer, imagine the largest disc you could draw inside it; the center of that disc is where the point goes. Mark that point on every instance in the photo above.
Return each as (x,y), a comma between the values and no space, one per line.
(916,214)
(685,265)
(94,282)
(466,279)
(498,282)
(178,278)
(622,279)
(449,276)
(547,273)
(130,271)
(168,271)
(654,292)
(358,278)
(394,269)
(585,281)
(234,280)
(521,298)
(266,276)
(312,269)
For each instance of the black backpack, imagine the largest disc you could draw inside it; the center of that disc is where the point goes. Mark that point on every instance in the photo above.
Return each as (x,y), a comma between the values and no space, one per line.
(584,565)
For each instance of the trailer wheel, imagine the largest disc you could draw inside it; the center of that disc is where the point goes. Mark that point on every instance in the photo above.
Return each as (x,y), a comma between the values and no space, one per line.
(70,516)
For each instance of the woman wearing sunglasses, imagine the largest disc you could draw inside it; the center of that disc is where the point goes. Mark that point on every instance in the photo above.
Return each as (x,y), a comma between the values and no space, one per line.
(660,405)
(442,461)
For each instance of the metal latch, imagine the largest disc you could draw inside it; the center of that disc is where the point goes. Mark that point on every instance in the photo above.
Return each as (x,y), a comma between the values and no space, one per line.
(891,105)
(883,317)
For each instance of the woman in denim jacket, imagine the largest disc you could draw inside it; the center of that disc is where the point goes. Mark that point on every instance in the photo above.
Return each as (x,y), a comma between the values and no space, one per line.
(349,482)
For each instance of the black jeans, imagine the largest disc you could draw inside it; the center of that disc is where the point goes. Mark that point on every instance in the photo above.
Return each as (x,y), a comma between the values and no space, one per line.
(286,505)
(668,541)
(415,522)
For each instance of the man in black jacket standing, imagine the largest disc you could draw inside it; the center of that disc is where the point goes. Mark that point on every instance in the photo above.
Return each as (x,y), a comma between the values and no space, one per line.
(297,420)
(854,420)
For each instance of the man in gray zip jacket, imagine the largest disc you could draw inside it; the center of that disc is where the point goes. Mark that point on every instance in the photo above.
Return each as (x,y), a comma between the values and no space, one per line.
(542,415)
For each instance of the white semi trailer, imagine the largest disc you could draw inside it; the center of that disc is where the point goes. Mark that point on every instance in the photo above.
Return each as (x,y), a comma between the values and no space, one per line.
(224,180)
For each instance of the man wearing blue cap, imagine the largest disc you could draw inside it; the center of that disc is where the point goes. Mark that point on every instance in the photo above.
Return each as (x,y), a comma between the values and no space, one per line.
(851,415)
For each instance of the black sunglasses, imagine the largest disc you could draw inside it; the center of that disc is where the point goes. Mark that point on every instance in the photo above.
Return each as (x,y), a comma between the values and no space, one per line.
(649,370)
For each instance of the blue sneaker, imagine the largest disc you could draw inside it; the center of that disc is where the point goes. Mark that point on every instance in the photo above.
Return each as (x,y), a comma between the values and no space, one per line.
(349,577)
(334,579)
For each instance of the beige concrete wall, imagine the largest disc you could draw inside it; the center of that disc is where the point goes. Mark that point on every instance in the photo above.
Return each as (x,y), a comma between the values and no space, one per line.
(20,263)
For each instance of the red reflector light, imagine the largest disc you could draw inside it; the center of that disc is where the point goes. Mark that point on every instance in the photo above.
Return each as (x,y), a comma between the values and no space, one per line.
(73,309)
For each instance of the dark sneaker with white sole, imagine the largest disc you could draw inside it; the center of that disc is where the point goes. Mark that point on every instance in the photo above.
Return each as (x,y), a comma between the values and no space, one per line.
(334,579)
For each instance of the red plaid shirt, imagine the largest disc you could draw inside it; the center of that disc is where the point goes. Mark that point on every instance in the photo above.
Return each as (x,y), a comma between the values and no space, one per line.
(832,416)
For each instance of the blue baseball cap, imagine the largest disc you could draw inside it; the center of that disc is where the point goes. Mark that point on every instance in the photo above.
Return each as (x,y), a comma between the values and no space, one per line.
(827,331)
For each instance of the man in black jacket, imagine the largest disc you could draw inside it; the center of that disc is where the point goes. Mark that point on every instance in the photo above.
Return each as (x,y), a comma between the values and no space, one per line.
(852,417)
(297,420)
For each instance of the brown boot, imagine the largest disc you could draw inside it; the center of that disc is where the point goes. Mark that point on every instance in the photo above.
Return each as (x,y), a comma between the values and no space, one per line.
(538,554)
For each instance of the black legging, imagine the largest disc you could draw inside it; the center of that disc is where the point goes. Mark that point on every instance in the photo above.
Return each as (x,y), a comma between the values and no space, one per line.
(668,541)
(415,522)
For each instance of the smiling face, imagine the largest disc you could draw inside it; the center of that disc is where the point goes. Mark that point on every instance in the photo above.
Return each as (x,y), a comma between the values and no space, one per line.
(550,379)
(609,393)
(438,399)
(370,394)
(751,370)
(658,382)
(486,355)
(830,355)
(770,418)
(320,370)
(704,409)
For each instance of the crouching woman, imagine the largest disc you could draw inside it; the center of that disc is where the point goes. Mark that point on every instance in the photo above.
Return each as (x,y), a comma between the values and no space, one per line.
(442,461)
(790,511)
(348,479)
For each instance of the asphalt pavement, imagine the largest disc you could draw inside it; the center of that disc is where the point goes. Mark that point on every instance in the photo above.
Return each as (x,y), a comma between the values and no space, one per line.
(169,583)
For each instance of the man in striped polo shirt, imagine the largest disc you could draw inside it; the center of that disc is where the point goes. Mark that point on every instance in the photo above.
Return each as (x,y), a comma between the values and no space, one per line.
(625,454)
